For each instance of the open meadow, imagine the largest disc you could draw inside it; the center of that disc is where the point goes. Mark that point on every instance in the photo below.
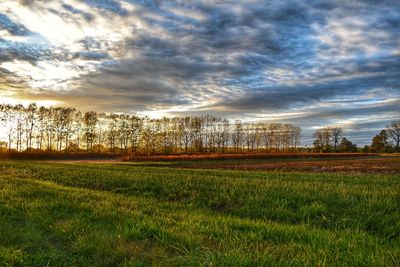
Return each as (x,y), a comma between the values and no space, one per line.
(199,133)
(210,213)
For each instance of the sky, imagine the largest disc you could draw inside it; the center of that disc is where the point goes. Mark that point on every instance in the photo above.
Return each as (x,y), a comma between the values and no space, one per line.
(307,62)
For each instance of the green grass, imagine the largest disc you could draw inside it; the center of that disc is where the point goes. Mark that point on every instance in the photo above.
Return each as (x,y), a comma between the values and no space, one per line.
(132,215)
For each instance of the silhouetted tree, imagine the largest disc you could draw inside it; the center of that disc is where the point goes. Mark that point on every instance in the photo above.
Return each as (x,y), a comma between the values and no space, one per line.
(90,120)
(135,128)
(64,128)
(323,139)
(337,134)
(347,146)
(237,135)
(380,143)
(393,131)
(30,121)
(327,138)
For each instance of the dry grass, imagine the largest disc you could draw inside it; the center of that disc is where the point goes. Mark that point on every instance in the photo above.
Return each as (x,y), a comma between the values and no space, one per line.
(271,155)
(58,156)
(383,164)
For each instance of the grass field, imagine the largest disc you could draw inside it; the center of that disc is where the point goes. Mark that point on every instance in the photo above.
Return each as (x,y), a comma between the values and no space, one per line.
(140,214)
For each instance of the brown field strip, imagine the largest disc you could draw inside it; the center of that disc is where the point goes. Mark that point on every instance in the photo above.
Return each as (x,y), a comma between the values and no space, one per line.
(384,165)
(270,155)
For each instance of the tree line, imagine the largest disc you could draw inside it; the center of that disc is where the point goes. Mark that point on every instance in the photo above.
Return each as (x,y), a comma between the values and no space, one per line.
(66,129)
(331,139)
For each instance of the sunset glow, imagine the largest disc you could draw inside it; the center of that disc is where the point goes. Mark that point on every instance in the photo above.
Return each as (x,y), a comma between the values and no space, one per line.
(310,63)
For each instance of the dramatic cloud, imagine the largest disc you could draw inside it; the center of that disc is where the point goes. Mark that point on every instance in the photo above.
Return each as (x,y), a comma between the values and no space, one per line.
(310,63)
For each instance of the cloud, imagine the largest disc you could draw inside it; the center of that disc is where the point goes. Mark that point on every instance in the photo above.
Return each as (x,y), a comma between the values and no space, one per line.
(88,17)
(12,27)
(358,80)
(108,5)
(297,61)
(93,55)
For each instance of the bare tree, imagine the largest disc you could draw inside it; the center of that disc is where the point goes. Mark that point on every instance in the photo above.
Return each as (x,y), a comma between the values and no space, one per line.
(323,139)
(77,129)
(30,120)
(19,111)
(187,133)
(337,134)
(393,130)
(50,128)
(135,128)
(8,119)
(90,120)
(63,128)
(41,126)
(237,135)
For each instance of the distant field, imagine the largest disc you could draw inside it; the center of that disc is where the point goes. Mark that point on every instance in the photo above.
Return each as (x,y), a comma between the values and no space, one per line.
(360,164)
(185,214)
(245,156)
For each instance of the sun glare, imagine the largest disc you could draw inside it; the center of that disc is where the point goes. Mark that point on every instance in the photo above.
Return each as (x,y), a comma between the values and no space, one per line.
(26,102)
